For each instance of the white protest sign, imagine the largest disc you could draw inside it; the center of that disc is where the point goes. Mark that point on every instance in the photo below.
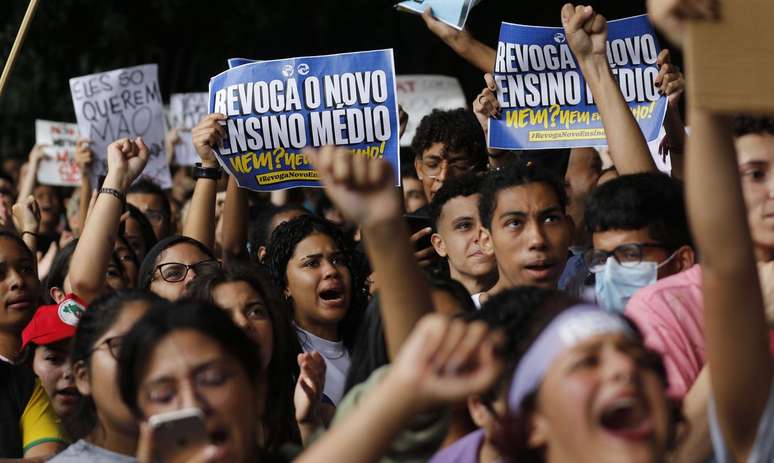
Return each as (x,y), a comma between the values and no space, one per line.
(185,111)
(124,103)
(420,94)
(58,167)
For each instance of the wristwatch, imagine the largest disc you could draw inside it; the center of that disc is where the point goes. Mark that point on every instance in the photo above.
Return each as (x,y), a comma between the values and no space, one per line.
(212,173)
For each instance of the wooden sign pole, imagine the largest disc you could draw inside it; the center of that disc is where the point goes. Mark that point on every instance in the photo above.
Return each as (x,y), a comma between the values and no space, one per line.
(17,44)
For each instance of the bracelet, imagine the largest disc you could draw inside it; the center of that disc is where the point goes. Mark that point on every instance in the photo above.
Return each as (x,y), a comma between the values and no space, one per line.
(34,235)
(112,191)
(212,173)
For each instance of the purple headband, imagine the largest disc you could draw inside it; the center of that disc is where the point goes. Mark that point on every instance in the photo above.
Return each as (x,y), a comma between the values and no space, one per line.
(574,325)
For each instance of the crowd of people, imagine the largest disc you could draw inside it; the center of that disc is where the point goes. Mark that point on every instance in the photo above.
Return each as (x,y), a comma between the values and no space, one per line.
(537,306)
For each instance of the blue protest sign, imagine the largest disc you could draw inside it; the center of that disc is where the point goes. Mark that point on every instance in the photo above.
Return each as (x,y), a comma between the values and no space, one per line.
(234,62)
(545,100)
(277,108)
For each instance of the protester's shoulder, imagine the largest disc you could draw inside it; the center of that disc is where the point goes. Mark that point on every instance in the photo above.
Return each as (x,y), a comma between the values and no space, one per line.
(83,452)
(464,450)
(683,288)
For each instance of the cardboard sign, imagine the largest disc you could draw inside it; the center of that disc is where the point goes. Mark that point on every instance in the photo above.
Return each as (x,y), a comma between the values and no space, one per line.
(420,94)
(185,111)
(545,101)
(124,103)
(58,167)
(730,63)
(452,12)
(277,108)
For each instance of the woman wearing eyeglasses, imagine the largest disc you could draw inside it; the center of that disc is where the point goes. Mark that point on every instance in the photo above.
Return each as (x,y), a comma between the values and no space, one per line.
(103,427)
(172,264)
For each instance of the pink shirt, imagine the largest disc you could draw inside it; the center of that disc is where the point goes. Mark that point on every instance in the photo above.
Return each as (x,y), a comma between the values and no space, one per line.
(670,314)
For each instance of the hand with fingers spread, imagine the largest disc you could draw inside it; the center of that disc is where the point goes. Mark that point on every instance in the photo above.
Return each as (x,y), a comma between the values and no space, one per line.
(26,215)
(309,387)
(84,156)
(669,81)
(446,360)
(586,32)
(126,160)
(670,16)
(206,135)
(361,188)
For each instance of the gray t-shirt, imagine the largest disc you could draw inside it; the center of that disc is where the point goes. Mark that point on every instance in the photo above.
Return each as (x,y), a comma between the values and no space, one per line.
(763,449)
(83,452)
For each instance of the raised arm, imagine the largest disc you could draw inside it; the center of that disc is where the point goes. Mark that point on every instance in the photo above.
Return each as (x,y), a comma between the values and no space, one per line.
(464,44)
(235,212)
(30,179)
(84,159)
(434,367)
(586,33)
(735,323)
(363,190)
(88,265)
(671,82)
(200,221)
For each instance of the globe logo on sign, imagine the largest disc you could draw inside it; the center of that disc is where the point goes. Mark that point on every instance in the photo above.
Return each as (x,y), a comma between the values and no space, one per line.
(559,38)
(303,69)
(287,70)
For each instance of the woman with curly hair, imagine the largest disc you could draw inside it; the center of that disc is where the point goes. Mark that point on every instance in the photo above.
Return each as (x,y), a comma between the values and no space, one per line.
(314,267)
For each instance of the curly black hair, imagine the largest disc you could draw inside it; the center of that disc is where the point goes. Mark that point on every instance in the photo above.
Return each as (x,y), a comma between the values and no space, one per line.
(259,232)
(647,200)
(458,129)
(745,124)
(282,370)
(464,186)
(513,175)
(282,245)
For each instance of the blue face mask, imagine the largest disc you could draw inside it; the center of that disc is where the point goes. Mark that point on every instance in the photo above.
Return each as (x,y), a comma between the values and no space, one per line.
(616,284)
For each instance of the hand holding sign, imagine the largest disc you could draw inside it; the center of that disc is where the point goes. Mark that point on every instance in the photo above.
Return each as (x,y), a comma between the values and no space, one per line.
(586,32)
(84,156)
(670,81)
(126,160)
(361,188)
(206,135)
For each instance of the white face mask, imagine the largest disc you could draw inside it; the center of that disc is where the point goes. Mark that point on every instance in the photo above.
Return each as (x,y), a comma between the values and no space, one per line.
(616,284)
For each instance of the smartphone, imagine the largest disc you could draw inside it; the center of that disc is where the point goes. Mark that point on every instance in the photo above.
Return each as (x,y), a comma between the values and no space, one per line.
(178,432)
(416,223)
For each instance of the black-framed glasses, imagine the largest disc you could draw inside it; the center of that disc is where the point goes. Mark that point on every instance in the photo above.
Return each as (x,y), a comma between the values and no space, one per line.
(628,255)
(173,272)
(113,345)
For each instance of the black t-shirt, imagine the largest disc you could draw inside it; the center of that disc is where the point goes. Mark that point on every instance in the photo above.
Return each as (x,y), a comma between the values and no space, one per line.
(17,383)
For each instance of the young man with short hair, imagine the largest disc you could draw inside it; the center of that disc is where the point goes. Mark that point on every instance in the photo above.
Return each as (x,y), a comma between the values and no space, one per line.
(447,144)
(525,226)
(150,199)
(454,214)
(640,233)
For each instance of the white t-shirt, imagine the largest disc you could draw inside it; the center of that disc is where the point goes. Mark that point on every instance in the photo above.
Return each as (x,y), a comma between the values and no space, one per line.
(336,362)
(477,300)
(763,449)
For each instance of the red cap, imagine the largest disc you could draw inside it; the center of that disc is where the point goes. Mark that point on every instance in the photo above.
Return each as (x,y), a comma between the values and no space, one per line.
(52,323)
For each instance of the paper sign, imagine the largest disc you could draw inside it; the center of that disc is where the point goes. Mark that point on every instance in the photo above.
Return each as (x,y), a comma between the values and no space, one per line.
(730,62)
(451,12)
(420,94)
(545,100)
(277,108)
(58,167)
(185,111)
(124,103)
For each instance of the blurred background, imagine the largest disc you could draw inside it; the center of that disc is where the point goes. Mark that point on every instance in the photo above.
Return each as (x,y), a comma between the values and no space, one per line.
(190,40)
